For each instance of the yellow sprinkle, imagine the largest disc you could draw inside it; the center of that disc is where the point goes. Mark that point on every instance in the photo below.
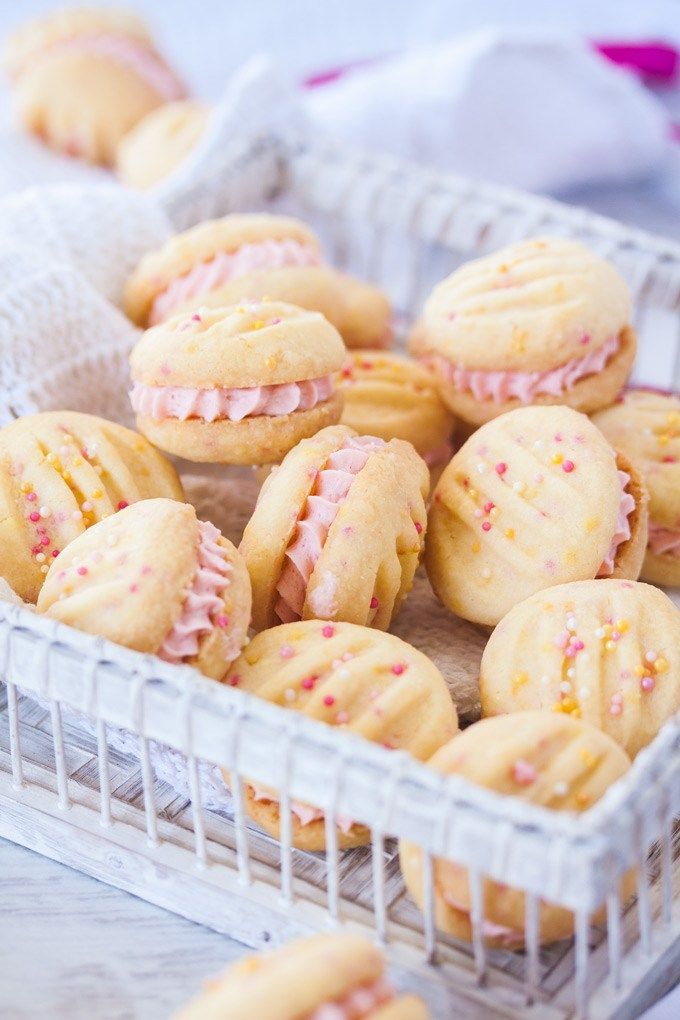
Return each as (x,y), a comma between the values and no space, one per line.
(607,628)
(77,461)
(97,494)
(587,757)
(660,665)
(26,487)
(582,799)
(98,469)
(663,439)
(591,524)
(252,658)
(610,645)
(639,671)
(66,475)
(673,418)
(258,324)
(509,532)
(622,626)
(557,458)
(519,681)
(476,547)
(472,493)
(493,513)
(576,712)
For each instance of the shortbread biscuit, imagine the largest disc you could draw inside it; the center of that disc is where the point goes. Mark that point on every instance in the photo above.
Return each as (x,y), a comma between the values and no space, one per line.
(646,427)
(324,977)
(60,472)
(154,578)
(534,498)
(82,77)
(607,652)
(337,531)
(551,760)
(372,684)
(160,143)
(544,321)
(256,257)
(393,397)
(238,385)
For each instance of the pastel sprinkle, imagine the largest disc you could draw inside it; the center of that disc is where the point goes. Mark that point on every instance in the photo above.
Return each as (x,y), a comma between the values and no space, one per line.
(486,526)
(308,682)
(341,718)
(648,683)
(568,466)
(34,516)
(286,651)
(418,527)
(328,631)
(234,681)
(222,621)
(523,772)
(501,468)
(289,694)
(123,503)
(329,700)
(31,496)
(45,511)
(82,571)
(398,668)
(488,507)
(374,603)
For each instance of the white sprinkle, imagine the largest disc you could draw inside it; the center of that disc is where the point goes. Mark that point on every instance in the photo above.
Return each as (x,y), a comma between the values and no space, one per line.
(519,486)
(111,539)
(289,694)
(538,444)
(77,515)
(545,680)
(599,632)
(40,557)
(571,672)
(481,468)
(565,687)
(571,623)
(486,573)
(561,789)
(343,673)
(584,693)
(45,511)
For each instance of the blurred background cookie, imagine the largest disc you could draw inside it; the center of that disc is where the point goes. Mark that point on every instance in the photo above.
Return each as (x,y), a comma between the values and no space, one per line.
(160,142)
(607,652)
(338,976)
(337,531)
(257,257)
(551,760)
(539,322)
(393,397)
(534,498)
(155,579)
(237,385)
(368,683)
(82,77)
(646,427)
(60,473)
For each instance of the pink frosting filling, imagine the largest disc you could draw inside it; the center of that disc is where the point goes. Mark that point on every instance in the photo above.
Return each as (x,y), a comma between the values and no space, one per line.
(509,936)
(622,533)
(135,54)
(328,494)
(203,607)
(663,541)
(304,813)
(356,1004)
(225,266)
(183,402)
(525,386)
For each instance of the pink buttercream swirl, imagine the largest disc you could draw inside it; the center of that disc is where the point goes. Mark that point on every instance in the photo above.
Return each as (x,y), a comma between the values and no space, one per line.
(203,605)
(622,533)
(663,541)
(329,492)
(183,402)
(356,1004)
(123,49)
(225,266)
(525,386)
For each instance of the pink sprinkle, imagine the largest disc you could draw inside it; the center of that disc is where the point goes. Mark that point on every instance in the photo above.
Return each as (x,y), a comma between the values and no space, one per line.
(196,317)
(568,466)
(478,513)
(134,588)
(82,571)
(346,656)
(36,549)
(286,651)
(647,683)
(31,496)
(45,540)
(585,339)
(558,437)
(55,552)
(308,682)
(275,322)
(398,668)
(486,526)
(328,630)
(570,651)
(669,459)
(562,639)
(616,708)
(329,700)
(488,507)
(617,698)
(578,646)
(523,772)
(418,527)
(341,718)
(234,681)
(165,368)
(222,621)
(501,468)
(374,603)
(123,503)
(538,478)
(34,516)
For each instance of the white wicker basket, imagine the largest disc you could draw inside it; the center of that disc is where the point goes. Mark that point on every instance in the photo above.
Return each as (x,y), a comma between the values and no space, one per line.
(65,792)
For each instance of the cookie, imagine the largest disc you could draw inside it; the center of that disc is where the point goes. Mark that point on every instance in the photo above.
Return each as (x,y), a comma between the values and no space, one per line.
(154,578)
(61,472)
(607,652)
(371,684)
(160,142)
(551,760)
(393,397)
(544,321)
(255,257)
(337,531)
(646,427)
(83,77)
(534,498)
(339,976)
(238,385)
